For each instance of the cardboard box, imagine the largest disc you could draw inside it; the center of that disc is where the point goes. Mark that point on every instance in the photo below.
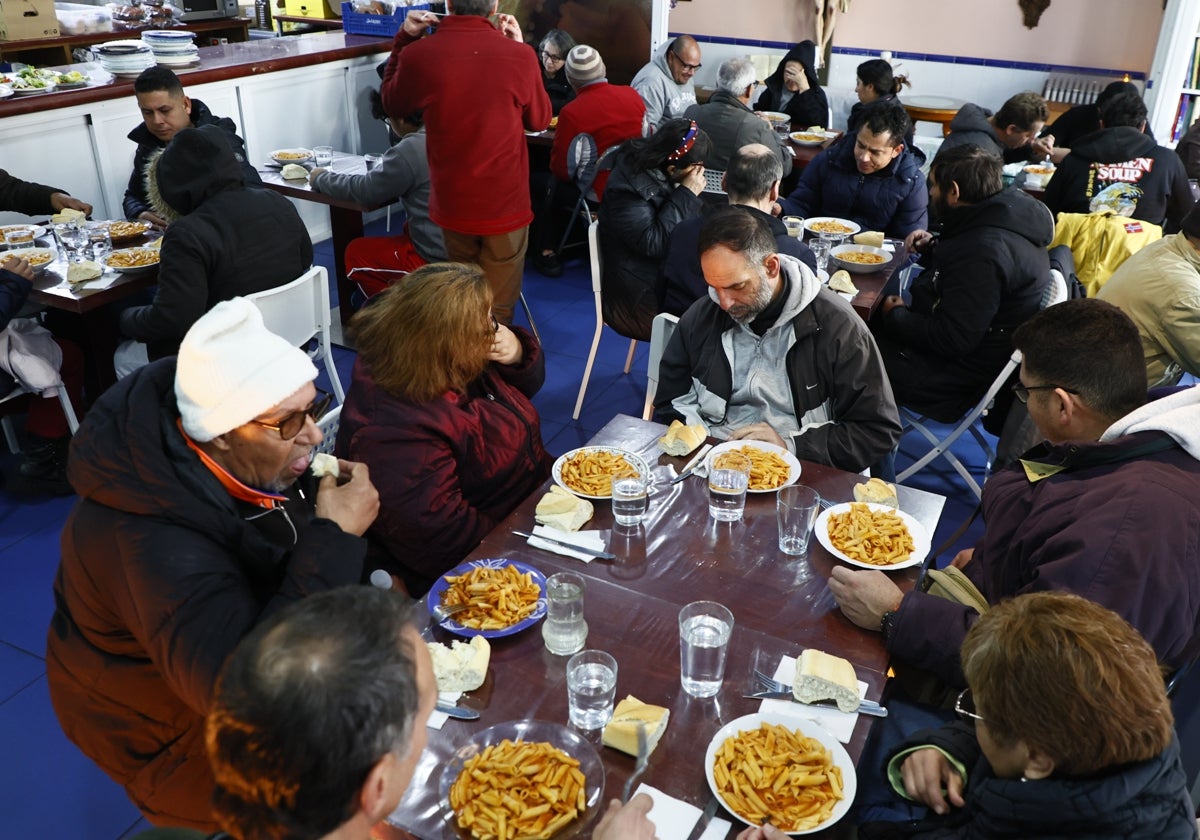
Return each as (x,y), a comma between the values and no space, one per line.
(310,8)
(22,20)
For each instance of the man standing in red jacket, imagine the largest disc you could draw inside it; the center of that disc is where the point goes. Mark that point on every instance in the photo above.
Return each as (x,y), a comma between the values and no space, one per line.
(479,87)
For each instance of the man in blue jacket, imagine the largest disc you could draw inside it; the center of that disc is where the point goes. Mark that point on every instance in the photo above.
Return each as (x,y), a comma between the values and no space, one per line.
(872,178)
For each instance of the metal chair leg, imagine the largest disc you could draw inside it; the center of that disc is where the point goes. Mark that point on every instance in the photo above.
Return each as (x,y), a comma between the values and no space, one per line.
(529,317)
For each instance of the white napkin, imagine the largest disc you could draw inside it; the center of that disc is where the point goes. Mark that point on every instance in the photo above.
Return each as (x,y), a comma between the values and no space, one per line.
(587,539)
(438,719)
(887,246)
(673,819)
(837,723)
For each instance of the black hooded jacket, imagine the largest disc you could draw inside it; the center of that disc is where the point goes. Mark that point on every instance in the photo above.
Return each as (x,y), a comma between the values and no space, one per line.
(137,200)
(1116,155)
(984,278)
(228,241)
(807,108)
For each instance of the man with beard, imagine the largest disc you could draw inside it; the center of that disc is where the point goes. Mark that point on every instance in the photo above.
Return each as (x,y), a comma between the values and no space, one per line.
(775,356)
(985,275)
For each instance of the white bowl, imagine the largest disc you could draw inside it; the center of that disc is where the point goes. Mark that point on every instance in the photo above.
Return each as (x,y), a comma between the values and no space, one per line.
(839,257)
(286,156)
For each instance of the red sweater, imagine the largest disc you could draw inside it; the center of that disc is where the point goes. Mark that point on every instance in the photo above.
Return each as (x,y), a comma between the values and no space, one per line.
(478,91)
(612,114)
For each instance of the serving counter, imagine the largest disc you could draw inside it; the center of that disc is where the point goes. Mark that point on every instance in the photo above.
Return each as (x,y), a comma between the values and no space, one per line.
(303,91)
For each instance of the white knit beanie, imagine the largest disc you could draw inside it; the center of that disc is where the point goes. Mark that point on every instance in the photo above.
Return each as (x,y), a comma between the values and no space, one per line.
(231,369)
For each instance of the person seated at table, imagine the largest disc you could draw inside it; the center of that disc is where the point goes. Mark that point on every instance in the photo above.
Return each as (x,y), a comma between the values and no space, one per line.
(655,185)
(875,82)
(1105,508)
(1159,289)
(665,84)
(439,408)
(1079,121)
(198,518)
(552,53)
(1012,132)
(375,262)
(608,114)
(985,275)
(225,240)
(355,650)
(165,112)
(1120,153)
(728,121)
(871,178)
(36,199)
(751,181)
(794,89)
(773,355)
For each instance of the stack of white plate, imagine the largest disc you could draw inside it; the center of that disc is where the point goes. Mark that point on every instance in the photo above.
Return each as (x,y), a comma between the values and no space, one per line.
(172,47)
(124,58)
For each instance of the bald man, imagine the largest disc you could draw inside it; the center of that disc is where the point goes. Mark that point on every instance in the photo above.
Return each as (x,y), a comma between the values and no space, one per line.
(665,84)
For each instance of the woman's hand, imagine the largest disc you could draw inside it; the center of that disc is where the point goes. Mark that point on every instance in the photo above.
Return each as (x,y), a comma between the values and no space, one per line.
(926,774)
(693,178)
(506,347)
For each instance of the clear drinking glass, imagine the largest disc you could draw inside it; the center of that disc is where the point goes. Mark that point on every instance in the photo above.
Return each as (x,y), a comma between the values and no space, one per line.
(820,248)
(630,499)
(704,631)
(372,161)
(19,238)
(72,239)
(728,478)
(796,508)
(322,155)
(591,688)
(564,630)
(795,226)
(99,240)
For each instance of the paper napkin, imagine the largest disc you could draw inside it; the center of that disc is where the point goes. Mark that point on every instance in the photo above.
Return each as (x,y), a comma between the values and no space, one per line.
(438,719)
(673,818)
(837,723)
(588,539)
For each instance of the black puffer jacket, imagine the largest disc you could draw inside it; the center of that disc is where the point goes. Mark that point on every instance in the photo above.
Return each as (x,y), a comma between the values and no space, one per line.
(228,240)
(25,196)
(137,199)
(1122,155)
(984,278)
(1144,799)
(637,216)
(162,573)
(970,125)
(807,108)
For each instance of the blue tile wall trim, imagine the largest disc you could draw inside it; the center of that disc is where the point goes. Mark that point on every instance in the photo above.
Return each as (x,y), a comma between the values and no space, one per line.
(941,59)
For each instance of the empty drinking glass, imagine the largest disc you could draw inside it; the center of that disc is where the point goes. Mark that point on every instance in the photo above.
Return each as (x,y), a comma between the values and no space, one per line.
(591,688)
(728,478)
(704,631)
(796,509)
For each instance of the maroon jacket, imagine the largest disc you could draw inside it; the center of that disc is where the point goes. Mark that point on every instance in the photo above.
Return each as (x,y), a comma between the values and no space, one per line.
(447,470)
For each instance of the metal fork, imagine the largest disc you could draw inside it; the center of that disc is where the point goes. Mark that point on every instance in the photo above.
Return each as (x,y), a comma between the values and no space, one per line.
(770,684)
(643,756)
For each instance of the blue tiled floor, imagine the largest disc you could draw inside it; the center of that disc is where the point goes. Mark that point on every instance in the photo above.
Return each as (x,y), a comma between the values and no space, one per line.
(48,789)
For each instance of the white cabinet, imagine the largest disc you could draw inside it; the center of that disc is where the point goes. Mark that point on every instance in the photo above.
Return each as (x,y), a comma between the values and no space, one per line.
(53,148)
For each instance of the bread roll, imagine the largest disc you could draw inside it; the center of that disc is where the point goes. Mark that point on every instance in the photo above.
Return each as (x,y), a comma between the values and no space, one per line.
(294,172)
(874,238)
(83,271)
(621,732)
(840,282)
(876,491)
(563,510)
(680,439)
(459,666)
(820,676)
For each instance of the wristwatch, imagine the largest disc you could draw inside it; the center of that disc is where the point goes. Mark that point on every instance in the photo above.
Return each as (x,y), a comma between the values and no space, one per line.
(887,623)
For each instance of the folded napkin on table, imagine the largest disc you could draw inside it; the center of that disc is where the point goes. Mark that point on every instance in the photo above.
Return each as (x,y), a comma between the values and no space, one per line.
(674,819)
(438,719)
(838,724)
(586,539)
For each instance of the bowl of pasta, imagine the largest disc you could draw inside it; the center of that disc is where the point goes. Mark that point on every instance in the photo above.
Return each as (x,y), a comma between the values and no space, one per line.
(860,259)
(771,466)
(872,536)
(132,260)
(830,226)
(505,597)
(589,470)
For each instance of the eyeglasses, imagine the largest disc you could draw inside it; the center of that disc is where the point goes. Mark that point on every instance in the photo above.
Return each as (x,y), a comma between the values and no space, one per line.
(686,66)
(1022,391)
(292,424)
(548,56)
(964,707)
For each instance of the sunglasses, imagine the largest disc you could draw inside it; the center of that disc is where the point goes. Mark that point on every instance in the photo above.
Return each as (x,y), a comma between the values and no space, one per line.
(291,425)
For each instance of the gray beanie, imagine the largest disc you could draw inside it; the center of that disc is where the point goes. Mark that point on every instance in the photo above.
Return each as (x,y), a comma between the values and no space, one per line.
(584,65)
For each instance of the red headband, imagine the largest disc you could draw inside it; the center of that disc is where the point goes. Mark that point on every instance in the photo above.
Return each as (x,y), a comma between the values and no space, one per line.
(685,145)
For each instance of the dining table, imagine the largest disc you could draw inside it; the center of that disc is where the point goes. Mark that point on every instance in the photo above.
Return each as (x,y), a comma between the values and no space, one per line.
(678,554)
(345,215)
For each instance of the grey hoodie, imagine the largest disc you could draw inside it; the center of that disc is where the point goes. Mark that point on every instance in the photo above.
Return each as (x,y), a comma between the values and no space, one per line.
(665,98)
(1177,414)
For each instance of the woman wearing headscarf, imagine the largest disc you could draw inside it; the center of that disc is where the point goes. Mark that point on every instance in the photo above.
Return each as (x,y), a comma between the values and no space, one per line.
(793,89)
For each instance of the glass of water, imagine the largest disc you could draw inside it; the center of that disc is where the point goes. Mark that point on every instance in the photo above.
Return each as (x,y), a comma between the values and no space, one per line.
(796,509)
(372,161)
(322,155)
(728,478)
(704,631)
(564,629)
(820,248)
(99,241)
(630,499)
(19,237)
(591,688)
(72,239)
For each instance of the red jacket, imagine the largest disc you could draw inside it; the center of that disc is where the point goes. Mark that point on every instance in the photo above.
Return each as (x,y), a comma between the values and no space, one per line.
(478,91)
(447,470)
(612,114)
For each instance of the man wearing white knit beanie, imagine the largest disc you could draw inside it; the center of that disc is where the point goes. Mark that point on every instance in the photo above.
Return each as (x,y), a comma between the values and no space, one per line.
(198,518)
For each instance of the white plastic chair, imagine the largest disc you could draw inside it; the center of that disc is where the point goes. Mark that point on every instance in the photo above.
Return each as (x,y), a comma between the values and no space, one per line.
(329,427)
(298,312)
(660,333)
(1055,292)
(10,435)
(594,251)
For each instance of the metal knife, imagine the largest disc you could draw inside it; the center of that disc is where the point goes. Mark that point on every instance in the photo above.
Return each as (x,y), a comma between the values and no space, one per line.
(690,466)
(866,707)
(710,811)
(460,712)
(603,555)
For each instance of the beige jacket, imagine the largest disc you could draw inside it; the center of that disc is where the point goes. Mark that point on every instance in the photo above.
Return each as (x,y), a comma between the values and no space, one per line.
(1159,288)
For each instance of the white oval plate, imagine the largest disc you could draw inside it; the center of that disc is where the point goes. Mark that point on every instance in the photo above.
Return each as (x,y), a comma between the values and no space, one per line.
(308,155)
(920,537)
(835,254)
(38,230)
(556,470)
(808,223)
(734,445)
(810,730)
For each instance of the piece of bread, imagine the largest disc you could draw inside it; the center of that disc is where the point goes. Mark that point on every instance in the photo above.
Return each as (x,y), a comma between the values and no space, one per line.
(323,465)
(460,666)
(68,214)
(81,272)
(294,172)
(681,440)
(820,676)
(874,238)
(876,491)
(840,282)
(622,731)
(563,510)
